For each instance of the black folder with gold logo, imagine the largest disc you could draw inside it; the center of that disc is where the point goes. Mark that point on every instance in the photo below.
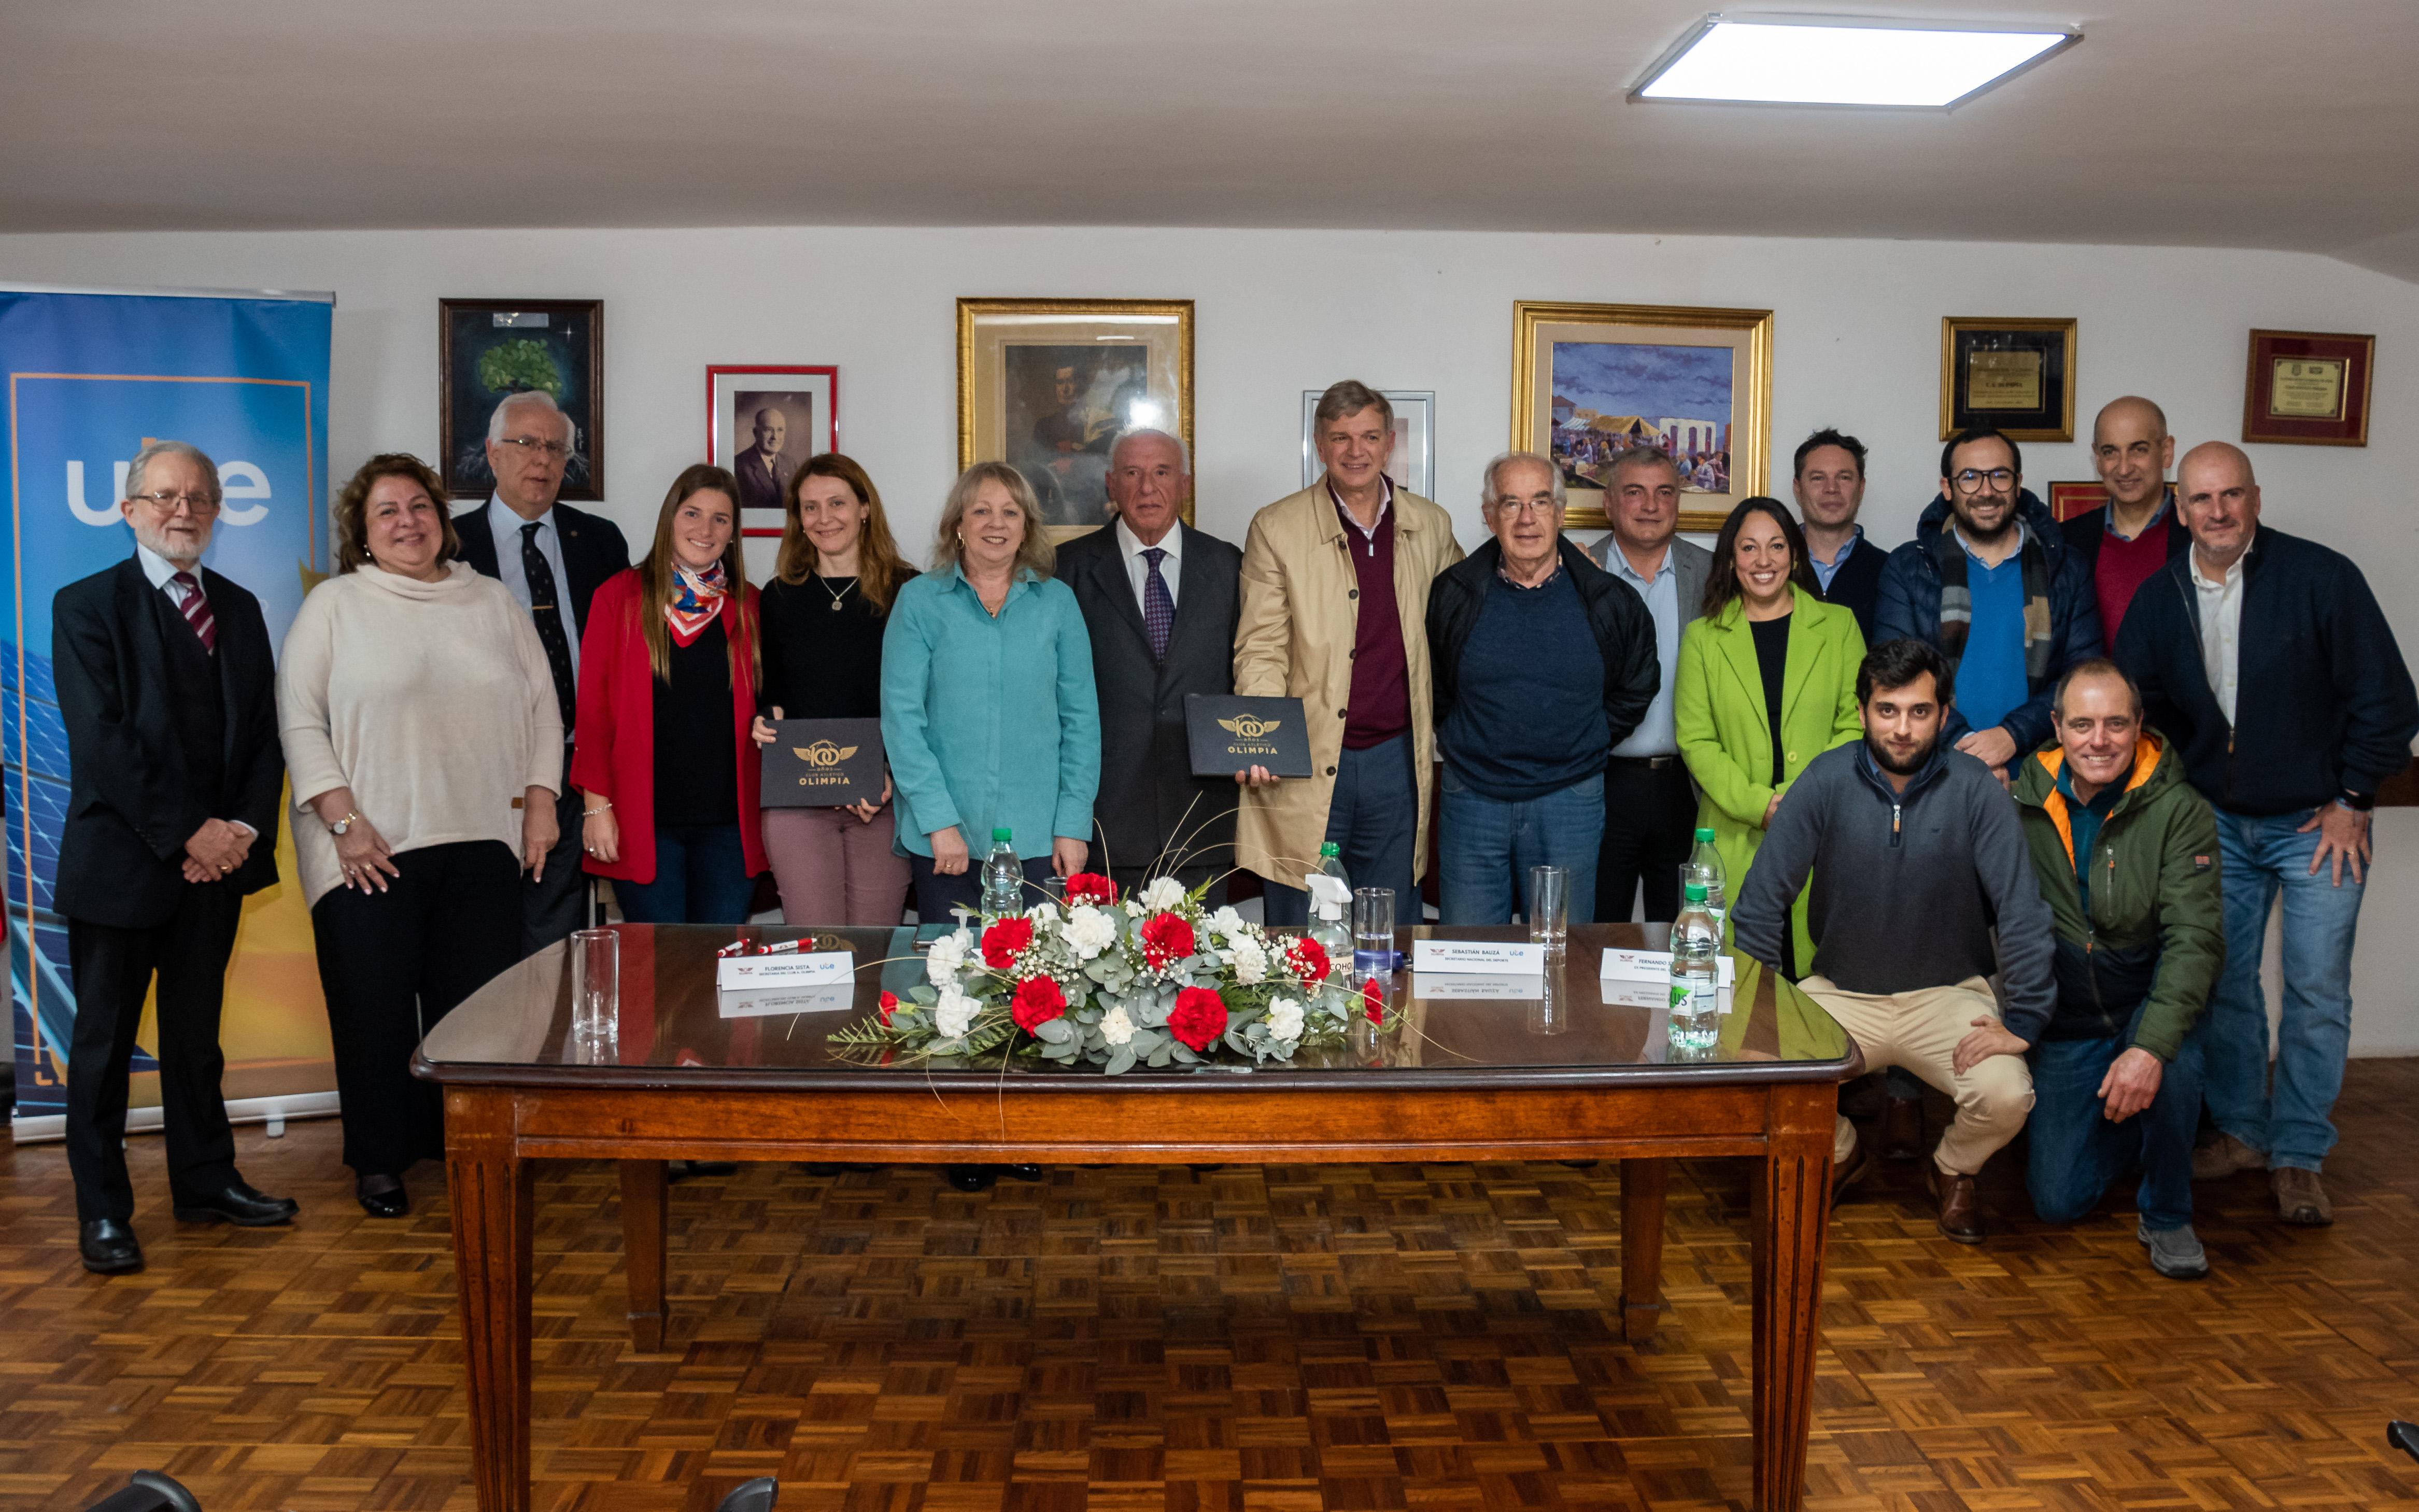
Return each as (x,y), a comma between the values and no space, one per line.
(823,763)
(1230,733)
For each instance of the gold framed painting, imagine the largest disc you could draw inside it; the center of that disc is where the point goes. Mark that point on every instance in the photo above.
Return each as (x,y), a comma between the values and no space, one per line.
(1046,385)
(1591,381)
(2014,374)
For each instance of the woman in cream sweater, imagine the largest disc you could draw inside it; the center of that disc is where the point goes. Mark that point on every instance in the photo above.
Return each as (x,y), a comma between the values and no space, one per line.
(425,749)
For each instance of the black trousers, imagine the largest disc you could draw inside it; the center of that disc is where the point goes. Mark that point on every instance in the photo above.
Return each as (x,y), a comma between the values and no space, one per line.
(1650,826)
(394,962)
(557,903)
(114,969)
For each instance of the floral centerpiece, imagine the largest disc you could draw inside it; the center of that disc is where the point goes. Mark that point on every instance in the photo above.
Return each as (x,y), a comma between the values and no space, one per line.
(1153,979)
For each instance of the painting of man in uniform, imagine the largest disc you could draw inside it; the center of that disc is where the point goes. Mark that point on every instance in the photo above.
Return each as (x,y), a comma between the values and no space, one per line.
(1065,405)
(1611,396)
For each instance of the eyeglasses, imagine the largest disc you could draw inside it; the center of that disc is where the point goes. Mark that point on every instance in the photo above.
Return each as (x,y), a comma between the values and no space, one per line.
(555,451)
(1971,481)
(1545,508)
(201,506)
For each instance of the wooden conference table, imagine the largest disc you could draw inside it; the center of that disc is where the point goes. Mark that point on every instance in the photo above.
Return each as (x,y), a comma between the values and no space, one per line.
(1567,1068)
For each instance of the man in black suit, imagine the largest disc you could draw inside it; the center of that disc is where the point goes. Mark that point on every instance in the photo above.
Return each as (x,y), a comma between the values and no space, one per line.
(1161,600)
(762,471)
(552,557)
(169,698)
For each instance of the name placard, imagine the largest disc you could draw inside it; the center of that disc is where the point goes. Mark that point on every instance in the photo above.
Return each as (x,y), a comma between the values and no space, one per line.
(1491,958)
(1615,991)
(821,764)
(826,998)
(1656,965)
(739,972)
(1449,985)
(1228,734)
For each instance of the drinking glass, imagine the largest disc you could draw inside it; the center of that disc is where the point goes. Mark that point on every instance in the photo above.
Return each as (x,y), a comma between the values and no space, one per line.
(1373,932)
(596,998)
(1550,905)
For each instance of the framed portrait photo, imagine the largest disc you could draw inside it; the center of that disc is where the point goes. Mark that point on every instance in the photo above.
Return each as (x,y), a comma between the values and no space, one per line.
(2307,388)
(2012,373)
(1591,381)
(1413,462)
(489,349)
(1046,385)
(760,422)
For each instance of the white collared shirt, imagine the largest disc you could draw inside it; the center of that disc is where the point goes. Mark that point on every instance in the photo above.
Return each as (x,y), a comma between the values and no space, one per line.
(506,526)
(1368,532)
(2221,630)
(1656,734)
(1138,571)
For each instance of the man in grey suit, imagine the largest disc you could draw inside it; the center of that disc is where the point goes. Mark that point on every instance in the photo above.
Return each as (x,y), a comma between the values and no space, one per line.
(1161,600)
(1650,807)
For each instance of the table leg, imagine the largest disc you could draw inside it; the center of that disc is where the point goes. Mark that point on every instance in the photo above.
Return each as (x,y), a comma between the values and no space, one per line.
(489,1186)
(642,1250)
(1642,1246)
(1792,1212)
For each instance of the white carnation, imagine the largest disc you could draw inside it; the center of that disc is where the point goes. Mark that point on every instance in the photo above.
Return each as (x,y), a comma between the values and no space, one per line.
(1228,922)
(1285,1019)
(947,958)
(1089,931)
(1250,961)
(1162,894)
(1115,1027)
(953,1014)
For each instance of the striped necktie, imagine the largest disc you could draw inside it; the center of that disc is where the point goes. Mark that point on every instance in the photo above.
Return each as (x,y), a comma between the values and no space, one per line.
(196,608)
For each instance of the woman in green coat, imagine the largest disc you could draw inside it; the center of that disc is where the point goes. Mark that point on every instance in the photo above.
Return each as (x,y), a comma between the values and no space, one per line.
(1766,682)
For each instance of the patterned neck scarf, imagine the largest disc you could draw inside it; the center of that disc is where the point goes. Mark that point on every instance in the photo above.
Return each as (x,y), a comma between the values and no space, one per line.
(696,600)
(1957,601)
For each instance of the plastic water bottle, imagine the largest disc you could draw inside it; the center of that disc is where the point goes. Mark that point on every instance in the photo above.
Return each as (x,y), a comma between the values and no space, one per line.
(1331,900)
(1706,871)
(1003,877)
(1696,978)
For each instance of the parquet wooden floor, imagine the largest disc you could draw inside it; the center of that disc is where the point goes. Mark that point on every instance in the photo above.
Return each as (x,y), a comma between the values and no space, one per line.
(1295,1337)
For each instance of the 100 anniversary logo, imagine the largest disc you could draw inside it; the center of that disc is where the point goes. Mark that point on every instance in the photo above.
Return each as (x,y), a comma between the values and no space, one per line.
(822,760)
(1251,732)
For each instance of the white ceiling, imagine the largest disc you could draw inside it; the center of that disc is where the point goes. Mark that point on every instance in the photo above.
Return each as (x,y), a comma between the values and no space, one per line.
(2193,122)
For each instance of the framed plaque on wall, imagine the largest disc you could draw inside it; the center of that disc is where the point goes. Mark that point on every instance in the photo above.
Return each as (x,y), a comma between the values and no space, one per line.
(2307,388)
(2014,374)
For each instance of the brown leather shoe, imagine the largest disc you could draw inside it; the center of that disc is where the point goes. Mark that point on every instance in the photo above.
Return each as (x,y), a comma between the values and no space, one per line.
(1961,1208)
(2223,1156)
(1902,1127)
(1847,1173)
(2299,1198)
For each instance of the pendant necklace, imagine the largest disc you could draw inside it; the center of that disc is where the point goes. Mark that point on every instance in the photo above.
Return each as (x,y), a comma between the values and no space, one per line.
(836,599)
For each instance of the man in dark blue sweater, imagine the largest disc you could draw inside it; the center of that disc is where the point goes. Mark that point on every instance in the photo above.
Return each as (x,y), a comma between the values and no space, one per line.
(1541,663)
(2265,659)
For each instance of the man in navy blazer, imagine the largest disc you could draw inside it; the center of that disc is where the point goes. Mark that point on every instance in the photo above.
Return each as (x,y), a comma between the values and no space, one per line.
(1153,643)
(553,558)
(168,696)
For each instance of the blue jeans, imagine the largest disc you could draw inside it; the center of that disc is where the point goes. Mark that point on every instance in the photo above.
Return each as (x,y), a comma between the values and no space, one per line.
(2259,858)
(701,878)
(1373,818)
(1485,846)
(2076,1153)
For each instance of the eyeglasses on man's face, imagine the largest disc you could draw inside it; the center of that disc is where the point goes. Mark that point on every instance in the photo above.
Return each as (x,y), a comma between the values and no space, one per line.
(201,506)
(1970,480)
(533,446)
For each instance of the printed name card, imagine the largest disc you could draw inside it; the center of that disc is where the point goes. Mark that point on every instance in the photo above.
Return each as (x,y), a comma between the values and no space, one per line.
(1652,997)
(826,998)
(734,973)
(1655,965)
(1439,986)
(1493,958)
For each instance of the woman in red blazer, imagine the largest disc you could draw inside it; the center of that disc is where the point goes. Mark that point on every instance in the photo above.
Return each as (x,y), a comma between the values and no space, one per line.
(668,674)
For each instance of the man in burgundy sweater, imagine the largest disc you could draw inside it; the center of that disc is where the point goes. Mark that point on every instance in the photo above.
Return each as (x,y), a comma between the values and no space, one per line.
(2137,532)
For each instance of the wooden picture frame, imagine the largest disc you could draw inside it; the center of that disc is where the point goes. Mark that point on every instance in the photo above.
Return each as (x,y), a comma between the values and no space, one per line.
(2014,374)
(1045,384)
(808,400)
(1697,381)
(2307,388)
(489,349)
(2069,499)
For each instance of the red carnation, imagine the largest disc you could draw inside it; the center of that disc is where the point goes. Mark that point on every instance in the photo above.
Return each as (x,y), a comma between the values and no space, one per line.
(1308,958)
(1091,887)
(1002,942)
(1373,1001)
(1199,1016)
(1038,1001)
(890,1006)
(1165,938)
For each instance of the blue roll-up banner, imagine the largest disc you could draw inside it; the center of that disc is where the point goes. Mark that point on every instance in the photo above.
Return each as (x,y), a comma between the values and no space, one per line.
(91,377)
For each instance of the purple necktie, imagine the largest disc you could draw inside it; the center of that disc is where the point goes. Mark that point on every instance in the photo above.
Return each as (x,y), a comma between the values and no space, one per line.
(197,609)
(1158,606)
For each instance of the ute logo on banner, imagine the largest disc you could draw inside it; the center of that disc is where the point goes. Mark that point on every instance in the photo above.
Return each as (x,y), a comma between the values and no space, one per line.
(90,379)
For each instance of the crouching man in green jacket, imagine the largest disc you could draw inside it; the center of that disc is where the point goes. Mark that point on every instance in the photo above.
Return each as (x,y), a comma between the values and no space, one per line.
(2126,854)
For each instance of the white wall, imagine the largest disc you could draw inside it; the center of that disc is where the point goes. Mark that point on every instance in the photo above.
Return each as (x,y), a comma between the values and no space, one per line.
(1857,345)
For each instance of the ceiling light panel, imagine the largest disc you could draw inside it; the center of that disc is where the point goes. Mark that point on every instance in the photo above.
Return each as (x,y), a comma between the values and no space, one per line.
(1842,60)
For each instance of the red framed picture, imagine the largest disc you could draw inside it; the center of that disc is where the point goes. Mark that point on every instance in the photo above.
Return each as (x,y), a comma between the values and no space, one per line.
(760,422)
(2068,499)
(2307,388)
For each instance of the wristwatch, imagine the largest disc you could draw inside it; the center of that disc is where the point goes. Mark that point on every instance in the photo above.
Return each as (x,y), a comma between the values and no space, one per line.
(343,824)
(2357,802)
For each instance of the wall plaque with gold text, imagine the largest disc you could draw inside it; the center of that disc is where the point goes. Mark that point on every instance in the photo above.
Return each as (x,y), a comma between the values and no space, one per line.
(2307,388)
(2003,380)
(2014,374)
(823,763)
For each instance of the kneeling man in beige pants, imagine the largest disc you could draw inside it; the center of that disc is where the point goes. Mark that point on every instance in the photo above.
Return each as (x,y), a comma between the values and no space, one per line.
(1915,851)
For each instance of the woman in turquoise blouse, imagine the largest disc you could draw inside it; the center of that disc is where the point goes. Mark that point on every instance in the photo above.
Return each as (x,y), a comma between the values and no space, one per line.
(989,715)
(1766,681)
